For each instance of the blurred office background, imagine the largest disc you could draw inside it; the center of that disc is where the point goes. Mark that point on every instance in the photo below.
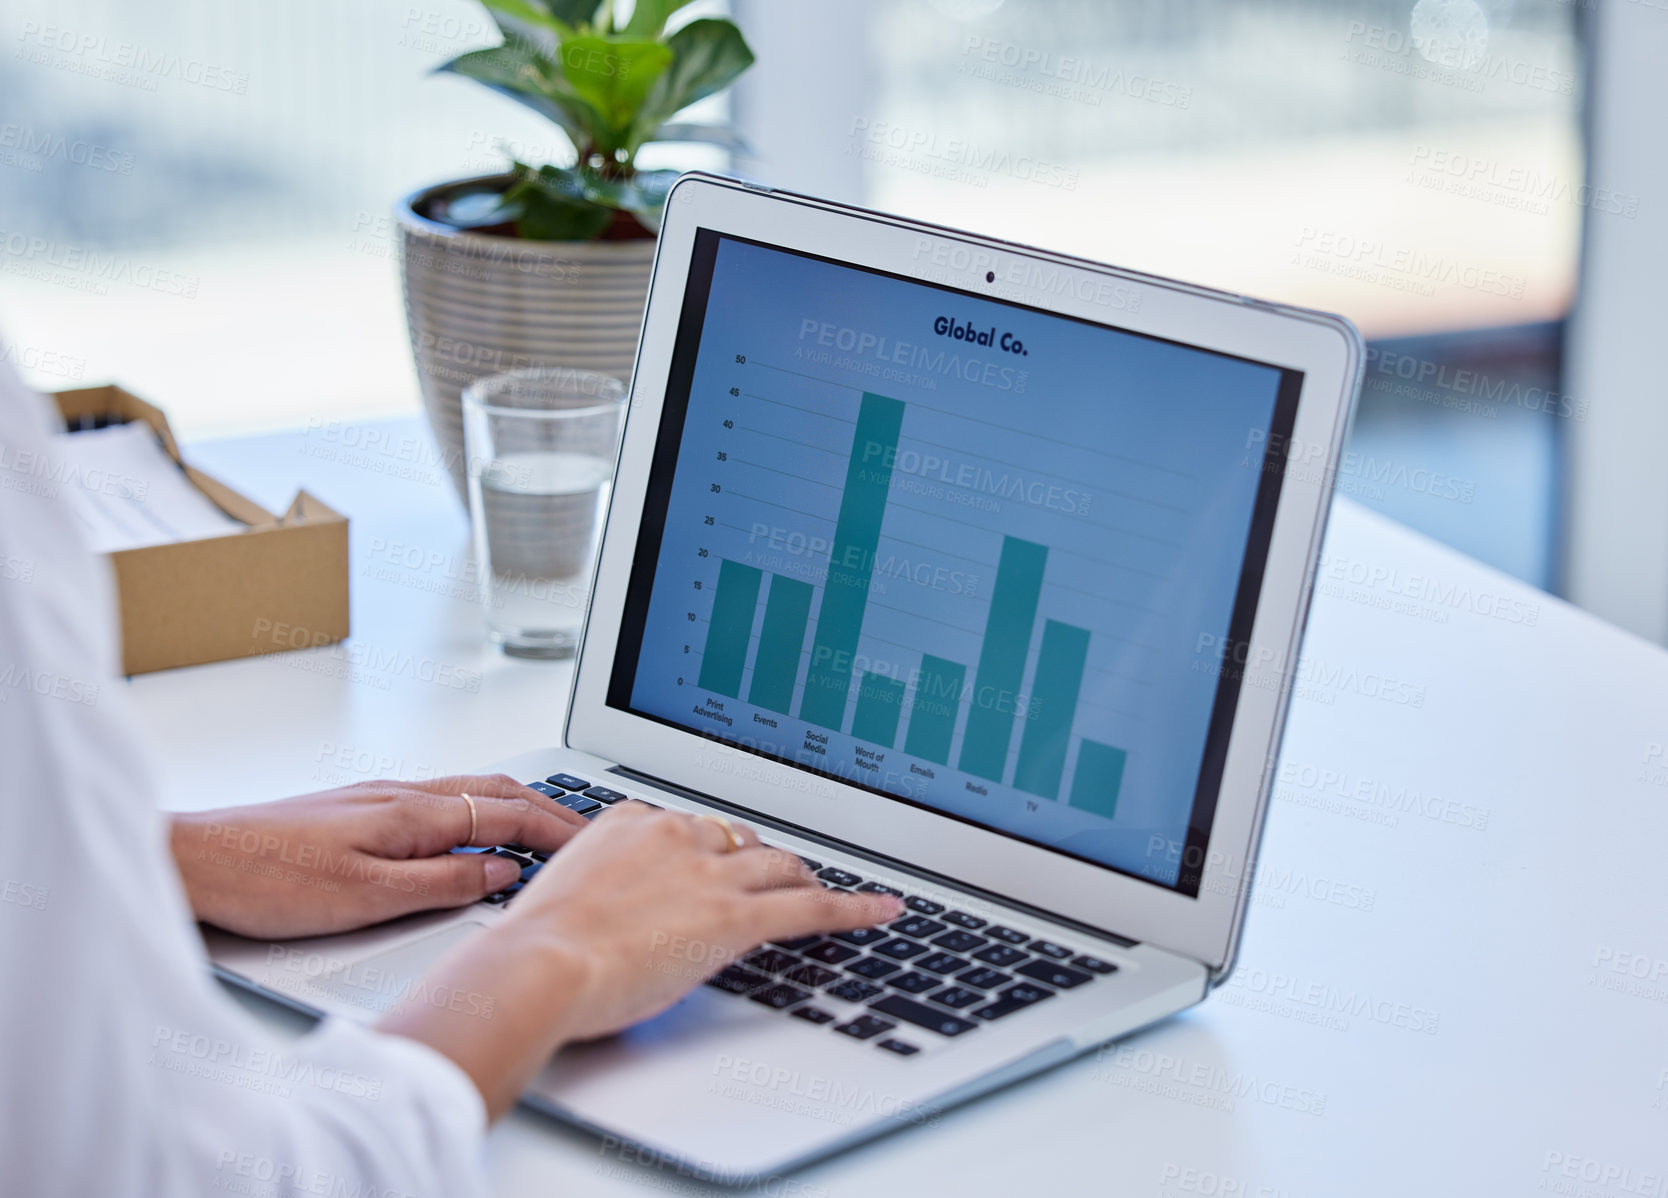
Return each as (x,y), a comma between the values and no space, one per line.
(1426,167)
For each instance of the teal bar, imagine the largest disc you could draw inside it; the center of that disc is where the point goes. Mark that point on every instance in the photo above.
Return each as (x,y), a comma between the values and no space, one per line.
(1013,613)
(733,605)
(932,715)
(851,561)
(1042,746)
(781,640)
(1100,771)
(879,704)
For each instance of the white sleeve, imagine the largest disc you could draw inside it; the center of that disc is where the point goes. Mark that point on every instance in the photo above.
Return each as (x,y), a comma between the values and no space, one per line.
(124,1069)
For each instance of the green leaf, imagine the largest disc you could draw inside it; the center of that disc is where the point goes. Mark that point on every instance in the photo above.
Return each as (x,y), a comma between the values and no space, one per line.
(528,19)
(649,17)
(519,70)
(552,205)
(614,76)
(706,56)
(643,193)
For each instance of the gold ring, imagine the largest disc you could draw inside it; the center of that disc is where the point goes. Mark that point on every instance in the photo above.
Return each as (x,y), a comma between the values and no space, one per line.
(736,842)
(473,818)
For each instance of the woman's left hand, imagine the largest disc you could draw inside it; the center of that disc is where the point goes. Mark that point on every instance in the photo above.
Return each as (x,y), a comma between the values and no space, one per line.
(358,855)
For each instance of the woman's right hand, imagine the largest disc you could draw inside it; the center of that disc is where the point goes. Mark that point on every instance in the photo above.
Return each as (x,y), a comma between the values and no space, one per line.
(653,902)
(629,916)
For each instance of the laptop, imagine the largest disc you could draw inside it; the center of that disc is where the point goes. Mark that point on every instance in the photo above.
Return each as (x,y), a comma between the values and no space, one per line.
(966,571)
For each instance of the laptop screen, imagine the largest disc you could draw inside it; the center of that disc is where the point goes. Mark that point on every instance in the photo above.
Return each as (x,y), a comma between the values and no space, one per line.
(973,555)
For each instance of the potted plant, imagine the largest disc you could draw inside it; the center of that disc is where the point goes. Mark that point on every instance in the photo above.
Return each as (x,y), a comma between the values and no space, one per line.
(549,265)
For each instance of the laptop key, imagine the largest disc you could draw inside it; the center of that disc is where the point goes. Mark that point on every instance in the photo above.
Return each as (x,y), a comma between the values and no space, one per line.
(838,877)
(812,1014)
(770,960)
(853,990)
(1094,964)
(902,1047)
(1000,955)
(942,963)
(984,978)
(956,997)
(921,1015)
(545,788)
(806,974)
(568,782)
(960,942)
(873,967)
(1060,976)
(879,888)
(1055,952)
(862,936)
(925,906)
(734,979)
(900,949)
(865,1027)
(779,996)
(963,920)
(813,866)
(796,943)
(915,983)
(603,795)
(1007,935)
(918,926)
(581,804)
(1015,998)
(830,953)
(503,896)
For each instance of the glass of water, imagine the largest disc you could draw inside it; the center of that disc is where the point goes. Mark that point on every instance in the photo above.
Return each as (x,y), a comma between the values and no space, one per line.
(540,445)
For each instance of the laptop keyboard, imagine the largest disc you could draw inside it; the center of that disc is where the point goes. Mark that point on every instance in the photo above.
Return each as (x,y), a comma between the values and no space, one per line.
(934,970)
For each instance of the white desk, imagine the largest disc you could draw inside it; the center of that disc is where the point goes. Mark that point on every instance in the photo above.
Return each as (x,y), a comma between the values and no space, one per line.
(1456,985)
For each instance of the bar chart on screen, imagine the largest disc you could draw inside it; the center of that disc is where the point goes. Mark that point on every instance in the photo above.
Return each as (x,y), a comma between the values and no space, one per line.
(857,579)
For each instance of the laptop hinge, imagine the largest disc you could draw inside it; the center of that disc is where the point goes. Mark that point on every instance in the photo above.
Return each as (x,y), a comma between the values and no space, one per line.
(855,850)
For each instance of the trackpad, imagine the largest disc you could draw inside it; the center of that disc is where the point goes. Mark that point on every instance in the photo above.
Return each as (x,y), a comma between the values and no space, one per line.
(394,978)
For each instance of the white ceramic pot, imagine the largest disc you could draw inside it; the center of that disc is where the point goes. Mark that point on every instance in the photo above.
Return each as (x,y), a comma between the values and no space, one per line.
(479,304)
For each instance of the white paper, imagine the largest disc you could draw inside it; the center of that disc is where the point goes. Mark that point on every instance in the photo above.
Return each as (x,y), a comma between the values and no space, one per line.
(129,494)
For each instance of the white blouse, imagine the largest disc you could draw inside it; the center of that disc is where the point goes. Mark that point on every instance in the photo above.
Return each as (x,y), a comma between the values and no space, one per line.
(124,1068)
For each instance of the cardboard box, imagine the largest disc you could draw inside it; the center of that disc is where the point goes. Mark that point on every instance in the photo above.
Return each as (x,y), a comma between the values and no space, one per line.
(223,597)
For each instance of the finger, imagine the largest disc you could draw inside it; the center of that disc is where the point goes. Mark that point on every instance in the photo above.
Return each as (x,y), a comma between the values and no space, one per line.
(452,880)
(528,818)
(765,868)
(800,912)
(716,831)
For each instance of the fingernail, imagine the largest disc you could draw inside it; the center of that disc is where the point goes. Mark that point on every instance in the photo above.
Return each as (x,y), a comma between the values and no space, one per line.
(894,905)
(500,872)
